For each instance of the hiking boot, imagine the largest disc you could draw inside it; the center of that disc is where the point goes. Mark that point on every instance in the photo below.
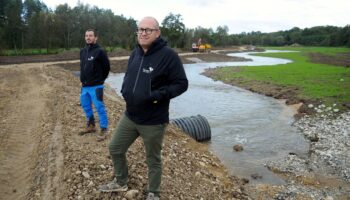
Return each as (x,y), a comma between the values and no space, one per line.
(102,135)
(89,129)
(152,196)
(104,130)
(113,186)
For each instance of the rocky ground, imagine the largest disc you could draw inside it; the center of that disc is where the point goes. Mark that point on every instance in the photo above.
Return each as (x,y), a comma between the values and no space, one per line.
(322,174)
(43,157)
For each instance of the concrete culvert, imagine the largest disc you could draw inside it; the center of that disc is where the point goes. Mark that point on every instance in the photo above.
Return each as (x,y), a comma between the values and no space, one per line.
(195,126)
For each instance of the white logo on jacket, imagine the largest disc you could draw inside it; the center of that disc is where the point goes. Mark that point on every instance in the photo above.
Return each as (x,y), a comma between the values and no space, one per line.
(91,58)
(147,71)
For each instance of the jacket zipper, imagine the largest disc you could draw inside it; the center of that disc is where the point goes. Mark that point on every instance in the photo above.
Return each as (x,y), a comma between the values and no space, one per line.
(87,56)
(150,84)
(138,74)
(86,59)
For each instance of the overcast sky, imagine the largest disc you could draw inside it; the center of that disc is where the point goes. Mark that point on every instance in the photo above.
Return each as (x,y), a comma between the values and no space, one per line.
(238,15)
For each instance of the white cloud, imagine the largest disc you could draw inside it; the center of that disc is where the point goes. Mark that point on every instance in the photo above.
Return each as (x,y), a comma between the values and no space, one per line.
(238,15)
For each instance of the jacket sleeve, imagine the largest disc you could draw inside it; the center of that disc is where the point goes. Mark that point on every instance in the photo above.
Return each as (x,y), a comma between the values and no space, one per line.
(104,64)
(177,80)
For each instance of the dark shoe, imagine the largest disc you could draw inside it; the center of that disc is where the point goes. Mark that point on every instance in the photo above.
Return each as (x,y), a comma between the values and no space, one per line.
(104,130)
(89,129)
(152,196)
(102,135)
(113,186)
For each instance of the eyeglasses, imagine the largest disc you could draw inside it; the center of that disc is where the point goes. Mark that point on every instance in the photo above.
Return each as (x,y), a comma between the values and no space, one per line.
(146,30)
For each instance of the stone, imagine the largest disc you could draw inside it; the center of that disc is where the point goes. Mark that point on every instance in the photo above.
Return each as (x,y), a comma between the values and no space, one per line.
(256,176)
(131,194)
(78,172)
(238,147)
(86,174)
(197,174)
(103,167)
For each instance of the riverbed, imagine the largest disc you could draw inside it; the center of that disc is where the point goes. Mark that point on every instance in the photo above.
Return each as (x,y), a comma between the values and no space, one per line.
(262,125)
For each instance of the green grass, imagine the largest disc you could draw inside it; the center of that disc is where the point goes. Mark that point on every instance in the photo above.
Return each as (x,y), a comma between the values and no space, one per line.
(330,84)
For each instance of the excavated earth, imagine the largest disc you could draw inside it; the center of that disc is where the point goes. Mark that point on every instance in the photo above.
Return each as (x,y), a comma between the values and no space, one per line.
(43,157)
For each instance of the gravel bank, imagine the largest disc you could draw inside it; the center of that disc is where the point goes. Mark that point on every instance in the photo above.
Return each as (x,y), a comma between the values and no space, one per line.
(322,174)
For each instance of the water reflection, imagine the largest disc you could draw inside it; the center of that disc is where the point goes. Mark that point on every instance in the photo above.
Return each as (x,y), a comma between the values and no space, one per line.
(237,116)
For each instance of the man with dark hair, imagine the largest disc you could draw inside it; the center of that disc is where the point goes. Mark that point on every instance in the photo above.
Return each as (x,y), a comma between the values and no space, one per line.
(154,75)
(94,69)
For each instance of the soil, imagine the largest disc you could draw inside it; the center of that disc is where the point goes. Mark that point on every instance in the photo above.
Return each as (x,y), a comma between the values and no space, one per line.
(63,56)
(340,59)
(43,157)
(119,65)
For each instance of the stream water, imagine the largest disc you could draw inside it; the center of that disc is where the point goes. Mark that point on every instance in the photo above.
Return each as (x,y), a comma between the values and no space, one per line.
(261,124)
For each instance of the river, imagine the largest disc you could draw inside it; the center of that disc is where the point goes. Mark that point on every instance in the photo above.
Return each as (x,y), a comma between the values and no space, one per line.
(261,124)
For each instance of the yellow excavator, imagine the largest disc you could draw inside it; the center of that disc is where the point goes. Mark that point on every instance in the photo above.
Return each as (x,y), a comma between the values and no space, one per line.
(204,48)
(199,47)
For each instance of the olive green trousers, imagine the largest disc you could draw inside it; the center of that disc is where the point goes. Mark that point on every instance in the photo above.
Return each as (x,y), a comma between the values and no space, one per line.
(123,136)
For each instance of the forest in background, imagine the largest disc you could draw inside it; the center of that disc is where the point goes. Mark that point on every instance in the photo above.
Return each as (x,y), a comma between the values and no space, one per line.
(32,25)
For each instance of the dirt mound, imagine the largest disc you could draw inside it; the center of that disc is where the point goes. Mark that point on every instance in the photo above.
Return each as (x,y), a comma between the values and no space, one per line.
(340,59)
(43,157)
(63,56)
(120,65)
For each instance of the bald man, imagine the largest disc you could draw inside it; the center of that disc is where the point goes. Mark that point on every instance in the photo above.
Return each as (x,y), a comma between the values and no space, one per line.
(154,76)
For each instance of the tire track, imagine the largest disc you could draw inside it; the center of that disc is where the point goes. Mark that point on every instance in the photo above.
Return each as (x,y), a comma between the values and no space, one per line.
(20,138)
(55,165)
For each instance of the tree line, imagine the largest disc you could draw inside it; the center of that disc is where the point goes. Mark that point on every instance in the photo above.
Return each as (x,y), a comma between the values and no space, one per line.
(31,24)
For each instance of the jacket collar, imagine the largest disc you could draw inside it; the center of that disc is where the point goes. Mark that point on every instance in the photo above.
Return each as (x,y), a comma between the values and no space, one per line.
(92,46)
(155,46)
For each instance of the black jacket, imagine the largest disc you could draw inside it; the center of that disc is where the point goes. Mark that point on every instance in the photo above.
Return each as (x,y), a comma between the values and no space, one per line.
(94,65)
(150,81)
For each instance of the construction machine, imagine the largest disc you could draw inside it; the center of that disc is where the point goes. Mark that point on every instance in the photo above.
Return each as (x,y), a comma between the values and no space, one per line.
(199,47)
(204,48)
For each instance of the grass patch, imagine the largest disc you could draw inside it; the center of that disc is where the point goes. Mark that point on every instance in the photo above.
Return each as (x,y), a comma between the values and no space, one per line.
(314,81)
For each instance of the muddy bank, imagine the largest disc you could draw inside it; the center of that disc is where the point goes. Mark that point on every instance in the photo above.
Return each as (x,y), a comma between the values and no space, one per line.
(340,59)
(43,157)
(288,93)
(120,65)
(324,172)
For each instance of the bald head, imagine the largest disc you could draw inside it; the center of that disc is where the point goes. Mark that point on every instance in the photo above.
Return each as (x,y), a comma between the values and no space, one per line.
(151,21)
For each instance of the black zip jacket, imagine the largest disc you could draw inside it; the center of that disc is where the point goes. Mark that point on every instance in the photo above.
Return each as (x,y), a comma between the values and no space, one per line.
(94,65)
(151,80)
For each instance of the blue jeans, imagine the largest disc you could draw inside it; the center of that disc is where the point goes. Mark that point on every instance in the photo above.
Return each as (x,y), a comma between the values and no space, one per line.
(94,94)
